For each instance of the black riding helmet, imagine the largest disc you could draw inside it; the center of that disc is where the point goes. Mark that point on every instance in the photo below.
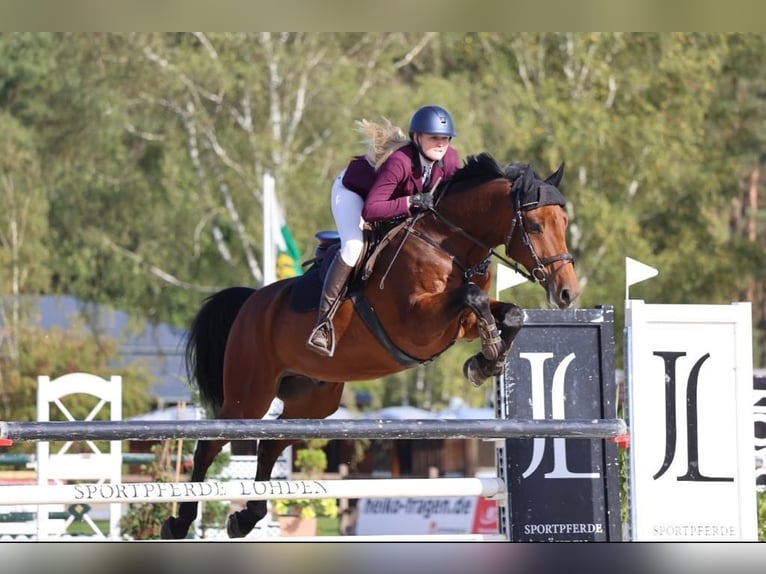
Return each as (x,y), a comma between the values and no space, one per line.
(433,120)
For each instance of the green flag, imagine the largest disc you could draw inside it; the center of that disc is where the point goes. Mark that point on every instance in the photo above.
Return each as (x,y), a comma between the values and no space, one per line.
(288,255)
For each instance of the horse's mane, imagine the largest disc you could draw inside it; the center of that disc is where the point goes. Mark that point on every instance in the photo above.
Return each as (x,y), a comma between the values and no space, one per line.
(381,139)
(483,167)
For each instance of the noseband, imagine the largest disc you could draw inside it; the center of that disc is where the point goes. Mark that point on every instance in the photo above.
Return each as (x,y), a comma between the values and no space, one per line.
(538,271)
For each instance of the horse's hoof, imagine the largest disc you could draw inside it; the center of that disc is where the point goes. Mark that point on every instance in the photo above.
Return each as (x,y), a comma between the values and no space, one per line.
(232,527)
(474,374)
(166,530)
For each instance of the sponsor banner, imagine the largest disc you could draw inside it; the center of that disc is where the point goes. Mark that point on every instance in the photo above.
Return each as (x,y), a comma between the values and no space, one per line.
(485,519)
(561,367)
(690,382)
(453,515)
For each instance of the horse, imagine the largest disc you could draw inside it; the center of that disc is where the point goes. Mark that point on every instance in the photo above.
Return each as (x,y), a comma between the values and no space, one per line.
(428,289)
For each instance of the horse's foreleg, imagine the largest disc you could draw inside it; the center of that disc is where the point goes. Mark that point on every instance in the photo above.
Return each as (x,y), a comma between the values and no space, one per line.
(478,301)
(175,528)
(510,318)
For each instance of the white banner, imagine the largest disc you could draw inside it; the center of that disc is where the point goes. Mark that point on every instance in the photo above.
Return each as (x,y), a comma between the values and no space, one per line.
(690,384)
(446,515)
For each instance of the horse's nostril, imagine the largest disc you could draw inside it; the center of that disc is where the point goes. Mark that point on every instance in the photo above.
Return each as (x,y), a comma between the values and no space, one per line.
(565,299)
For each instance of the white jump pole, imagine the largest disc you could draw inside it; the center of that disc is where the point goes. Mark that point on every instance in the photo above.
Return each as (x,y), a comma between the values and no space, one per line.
(488,487)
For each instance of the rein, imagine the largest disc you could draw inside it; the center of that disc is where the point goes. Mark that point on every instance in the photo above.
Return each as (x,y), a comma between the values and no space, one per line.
(537,275)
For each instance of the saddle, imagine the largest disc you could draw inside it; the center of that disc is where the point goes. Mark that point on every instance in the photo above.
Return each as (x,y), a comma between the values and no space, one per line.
(307,288)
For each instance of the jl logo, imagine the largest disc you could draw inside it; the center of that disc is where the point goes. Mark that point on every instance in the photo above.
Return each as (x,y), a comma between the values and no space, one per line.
(558,396)
(693,472)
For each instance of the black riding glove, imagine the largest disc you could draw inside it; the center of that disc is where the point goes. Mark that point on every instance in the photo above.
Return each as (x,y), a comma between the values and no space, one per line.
(421,202)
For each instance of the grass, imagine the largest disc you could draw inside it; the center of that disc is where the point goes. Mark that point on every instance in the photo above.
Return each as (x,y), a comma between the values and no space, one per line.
(80,527)
(327,526)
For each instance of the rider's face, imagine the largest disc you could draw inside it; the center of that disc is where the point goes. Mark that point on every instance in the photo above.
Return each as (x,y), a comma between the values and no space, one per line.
(433,147)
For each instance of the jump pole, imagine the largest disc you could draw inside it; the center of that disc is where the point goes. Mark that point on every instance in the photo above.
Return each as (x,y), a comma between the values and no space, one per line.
(244,429)
(488,487)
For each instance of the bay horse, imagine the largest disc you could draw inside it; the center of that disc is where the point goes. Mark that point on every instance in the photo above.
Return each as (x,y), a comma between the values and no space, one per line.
(428,288)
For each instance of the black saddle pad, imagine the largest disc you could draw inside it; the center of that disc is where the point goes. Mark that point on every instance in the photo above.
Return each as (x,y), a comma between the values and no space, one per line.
(308,287)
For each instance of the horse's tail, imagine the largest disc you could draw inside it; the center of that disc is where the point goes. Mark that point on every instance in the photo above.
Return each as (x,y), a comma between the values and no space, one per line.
(206,342)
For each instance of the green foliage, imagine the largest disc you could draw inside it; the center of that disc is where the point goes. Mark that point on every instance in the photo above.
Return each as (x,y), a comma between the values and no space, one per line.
(311,462)
(32,351)
(24,256)
(306,508)
(154,146)
(761,516)
(143,521)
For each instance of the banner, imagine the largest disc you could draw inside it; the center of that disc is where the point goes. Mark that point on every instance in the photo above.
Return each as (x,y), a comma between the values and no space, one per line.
(561,366)
(432,515)
(690,401)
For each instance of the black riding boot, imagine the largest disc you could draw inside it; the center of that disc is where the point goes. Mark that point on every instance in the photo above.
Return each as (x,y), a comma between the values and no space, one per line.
(322,338)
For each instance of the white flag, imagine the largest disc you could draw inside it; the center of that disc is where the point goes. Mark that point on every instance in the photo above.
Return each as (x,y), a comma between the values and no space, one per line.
(507,277)
(635,272)
(269,247)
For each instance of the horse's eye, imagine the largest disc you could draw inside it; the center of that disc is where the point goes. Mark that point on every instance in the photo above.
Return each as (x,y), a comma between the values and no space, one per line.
(534,228)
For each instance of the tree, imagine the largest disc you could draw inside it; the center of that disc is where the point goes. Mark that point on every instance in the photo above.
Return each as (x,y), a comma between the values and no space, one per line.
(55,352)
(23,256)
(154,147)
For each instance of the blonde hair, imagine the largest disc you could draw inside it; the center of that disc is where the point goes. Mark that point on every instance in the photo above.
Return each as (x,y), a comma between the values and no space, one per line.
(381,139)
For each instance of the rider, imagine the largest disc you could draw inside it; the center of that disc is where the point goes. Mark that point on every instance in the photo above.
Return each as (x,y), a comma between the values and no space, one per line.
(368,191)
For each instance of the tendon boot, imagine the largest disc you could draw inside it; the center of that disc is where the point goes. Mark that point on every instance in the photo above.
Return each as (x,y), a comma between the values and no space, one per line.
(322,337)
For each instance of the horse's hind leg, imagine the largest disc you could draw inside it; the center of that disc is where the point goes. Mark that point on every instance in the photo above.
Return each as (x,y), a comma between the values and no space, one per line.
(175,528)
(242,522)
(303,398)
(510,318)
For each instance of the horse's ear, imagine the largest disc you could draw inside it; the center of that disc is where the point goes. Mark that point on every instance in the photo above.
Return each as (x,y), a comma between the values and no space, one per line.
(555,178)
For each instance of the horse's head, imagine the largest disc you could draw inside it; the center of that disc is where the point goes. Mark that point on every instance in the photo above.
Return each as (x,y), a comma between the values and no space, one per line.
(490,205)
(537,235)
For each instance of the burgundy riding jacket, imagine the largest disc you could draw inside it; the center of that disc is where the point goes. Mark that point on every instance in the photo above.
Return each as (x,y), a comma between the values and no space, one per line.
(399,176)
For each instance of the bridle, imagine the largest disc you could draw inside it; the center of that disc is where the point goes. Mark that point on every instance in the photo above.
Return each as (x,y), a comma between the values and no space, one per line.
(537,275)
(538,271)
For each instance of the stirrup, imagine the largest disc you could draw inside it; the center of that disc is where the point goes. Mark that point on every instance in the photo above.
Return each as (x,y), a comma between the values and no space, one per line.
(329,350)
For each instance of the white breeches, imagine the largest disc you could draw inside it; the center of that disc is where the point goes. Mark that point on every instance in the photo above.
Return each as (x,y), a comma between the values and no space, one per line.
(347,211)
